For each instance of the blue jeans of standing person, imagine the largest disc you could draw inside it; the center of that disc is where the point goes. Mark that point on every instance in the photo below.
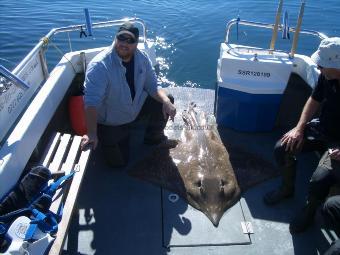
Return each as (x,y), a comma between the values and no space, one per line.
(331,217)
(334,249)
(331,210)
(326,175)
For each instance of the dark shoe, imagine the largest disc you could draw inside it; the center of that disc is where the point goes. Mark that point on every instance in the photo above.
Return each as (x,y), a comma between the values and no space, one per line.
(305,217)
(276,196)
(155,139)
(302,221)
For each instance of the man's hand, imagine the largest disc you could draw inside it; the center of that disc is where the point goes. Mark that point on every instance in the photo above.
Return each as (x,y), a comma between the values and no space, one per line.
(169,110)
(88,140)
(293,139)
(334,153)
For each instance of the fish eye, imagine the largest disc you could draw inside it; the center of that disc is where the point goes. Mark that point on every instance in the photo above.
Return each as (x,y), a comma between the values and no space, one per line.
(222,182)
(199,183)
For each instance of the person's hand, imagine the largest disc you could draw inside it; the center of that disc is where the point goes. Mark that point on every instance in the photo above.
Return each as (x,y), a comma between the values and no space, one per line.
(88,140)
(169,110)
(293,139)
(334,153)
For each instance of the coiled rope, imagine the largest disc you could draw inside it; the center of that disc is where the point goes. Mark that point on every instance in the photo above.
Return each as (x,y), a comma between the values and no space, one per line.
(46,41)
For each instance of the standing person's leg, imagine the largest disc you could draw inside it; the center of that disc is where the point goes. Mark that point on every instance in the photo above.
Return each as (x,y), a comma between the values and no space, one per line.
(152,110)
(334,249)
(331,213)
(331,218)
(287,164)
(114,143)
(326,175)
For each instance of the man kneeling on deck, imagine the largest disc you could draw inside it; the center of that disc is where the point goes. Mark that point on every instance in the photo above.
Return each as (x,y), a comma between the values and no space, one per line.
(120,87)
(321,134)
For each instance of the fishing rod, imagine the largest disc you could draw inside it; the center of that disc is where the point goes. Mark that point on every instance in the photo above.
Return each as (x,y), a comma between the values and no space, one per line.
(297,29)
(276,26)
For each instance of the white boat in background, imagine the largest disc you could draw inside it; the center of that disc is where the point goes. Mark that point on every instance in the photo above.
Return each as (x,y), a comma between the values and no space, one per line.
(252,103)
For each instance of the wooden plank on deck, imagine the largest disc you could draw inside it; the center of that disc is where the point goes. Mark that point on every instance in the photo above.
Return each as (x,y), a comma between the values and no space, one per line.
(66,169)
(70,203)
(72,154)
(60,154)
(52,148)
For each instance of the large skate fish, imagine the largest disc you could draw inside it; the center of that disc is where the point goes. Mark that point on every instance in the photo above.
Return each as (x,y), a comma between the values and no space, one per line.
(197,167)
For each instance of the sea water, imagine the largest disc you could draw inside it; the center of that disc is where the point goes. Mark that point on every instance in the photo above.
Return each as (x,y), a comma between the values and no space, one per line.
(187,32)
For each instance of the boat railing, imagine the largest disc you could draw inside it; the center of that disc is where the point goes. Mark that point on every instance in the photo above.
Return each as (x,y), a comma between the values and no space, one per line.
(39,47)
(234,22)
(33,70)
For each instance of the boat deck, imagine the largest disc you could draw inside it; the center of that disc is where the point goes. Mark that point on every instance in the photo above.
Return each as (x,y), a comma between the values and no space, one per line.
(118,214)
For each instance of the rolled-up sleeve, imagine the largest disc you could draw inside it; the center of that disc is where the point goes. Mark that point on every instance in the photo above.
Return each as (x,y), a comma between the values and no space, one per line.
(151,79)
(95,84)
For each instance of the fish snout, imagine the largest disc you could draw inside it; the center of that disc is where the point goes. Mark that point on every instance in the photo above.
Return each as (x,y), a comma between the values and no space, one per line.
(215,218)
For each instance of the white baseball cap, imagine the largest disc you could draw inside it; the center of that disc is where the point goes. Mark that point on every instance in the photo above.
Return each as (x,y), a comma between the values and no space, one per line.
(328,53)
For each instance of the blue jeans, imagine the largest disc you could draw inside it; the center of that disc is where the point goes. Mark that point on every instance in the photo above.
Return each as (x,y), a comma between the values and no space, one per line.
(334,249)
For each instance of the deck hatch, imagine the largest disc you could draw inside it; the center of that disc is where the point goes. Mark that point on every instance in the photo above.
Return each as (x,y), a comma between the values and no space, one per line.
(184,226)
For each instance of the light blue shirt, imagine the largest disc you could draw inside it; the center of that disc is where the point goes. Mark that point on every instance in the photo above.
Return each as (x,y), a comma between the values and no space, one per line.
(107,90)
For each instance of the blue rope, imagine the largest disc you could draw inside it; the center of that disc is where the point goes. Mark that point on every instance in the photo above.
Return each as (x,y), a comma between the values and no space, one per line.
(46,222)
(51,190)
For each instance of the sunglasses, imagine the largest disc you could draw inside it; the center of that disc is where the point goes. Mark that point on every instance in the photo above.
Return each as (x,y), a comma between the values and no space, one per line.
(127,39)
